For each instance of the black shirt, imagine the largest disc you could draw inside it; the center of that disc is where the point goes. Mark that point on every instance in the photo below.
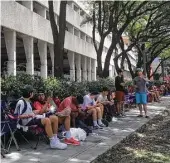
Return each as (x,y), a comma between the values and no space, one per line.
(118,81)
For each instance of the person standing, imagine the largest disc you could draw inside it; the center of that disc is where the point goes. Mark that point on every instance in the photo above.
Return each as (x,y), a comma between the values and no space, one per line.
(120,95)
(140,83)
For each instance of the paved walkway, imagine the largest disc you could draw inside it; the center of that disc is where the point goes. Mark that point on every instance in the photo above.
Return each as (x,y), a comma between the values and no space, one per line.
(96,144)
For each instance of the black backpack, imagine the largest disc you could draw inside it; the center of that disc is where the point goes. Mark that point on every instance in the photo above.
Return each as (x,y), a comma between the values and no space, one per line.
(82,125)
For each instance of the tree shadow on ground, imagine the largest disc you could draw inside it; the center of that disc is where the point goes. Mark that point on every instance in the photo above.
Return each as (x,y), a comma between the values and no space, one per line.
(149,144)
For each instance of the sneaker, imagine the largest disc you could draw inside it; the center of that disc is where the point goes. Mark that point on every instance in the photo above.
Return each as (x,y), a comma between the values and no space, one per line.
(61,135)
(123,115)
(71,141)
(97,127)
(140,116)
(56,144)
(102,125)
(146,116)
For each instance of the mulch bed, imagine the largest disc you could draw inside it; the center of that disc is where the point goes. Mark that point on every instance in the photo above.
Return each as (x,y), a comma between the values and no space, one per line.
(148,144)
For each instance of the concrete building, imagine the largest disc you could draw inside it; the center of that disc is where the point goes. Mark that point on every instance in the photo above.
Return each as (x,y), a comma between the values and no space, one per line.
(27,42)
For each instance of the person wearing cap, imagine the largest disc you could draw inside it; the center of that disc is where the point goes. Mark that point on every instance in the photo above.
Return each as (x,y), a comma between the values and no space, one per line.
(28,118)
(62,113)
(120,92)
(140,83)
(89,106)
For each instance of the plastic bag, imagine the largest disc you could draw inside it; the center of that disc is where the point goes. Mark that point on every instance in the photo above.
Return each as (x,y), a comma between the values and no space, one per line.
(78,133)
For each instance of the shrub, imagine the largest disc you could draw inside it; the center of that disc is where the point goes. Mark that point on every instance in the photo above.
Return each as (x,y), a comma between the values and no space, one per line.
(59,87)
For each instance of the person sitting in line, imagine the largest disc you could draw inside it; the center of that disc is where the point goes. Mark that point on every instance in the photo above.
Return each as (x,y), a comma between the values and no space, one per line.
(163,90)
(63,114)
(90,106)
(28,118)
(111,96)
(56,100)
(154,95)
(103,99)
(74,105)
(70,104)
(155,89)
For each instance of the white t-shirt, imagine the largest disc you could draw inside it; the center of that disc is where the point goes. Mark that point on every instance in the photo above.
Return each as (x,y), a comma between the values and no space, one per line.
(19,108)
(102,98)
(88,101)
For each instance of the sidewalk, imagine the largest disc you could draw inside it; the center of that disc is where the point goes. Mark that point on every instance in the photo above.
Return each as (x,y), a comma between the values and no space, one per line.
(95,144)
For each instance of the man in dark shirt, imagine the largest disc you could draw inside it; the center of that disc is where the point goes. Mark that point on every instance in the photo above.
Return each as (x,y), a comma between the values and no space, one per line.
(119,84)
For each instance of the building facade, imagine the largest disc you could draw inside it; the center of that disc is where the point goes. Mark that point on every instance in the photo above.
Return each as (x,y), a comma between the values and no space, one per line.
(27,42)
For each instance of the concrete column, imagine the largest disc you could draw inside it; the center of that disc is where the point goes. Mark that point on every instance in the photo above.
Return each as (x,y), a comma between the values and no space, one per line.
(29,46)
(71,59)
(42,48)
(89,69)
(113,71)
(42,11)
(28,4)
(84,68)
(110,71)
(78,67)
(93,69)
(10,41)
(51,48)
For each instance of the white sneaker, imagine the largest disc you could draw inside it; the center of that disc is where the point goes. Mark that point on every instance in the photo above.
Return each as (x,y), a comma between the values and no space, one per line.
(102,125)
(56,144)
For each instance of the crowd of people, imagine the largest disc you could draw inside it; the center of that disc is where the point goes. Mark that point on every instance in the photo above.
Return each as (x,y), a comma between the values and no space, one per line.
(49,112)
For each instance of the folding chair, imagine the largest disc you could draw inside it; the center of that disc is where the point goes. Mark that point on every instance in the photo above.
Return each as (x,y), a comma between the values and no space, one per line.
(8,128)
(34,129)
(129,99)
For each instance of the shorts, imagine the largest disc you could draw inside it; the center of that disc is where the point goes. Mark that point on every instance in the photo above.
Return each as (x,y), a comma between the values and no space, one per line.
(35,121)
(141,98)
(120,96)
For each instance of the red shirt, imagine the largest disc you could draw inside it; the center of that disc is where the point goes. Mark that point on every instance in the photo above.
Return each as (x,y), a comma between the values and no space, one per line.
(67,103)
(38,106)
(57,101)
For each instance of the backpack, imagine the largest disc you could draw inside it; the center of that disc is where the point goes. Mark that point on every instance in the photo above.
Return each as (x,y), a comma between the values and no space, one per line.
(13,106)
(82,125)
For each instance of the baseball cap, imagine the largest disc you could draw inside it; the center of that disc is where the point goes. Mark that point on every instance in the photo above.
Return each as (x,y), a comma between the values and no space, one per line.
(138,70)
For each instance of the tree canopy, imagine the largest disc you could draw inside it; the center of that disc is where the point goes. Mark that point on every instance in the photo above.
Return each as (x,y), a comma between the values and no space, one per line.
(146,23)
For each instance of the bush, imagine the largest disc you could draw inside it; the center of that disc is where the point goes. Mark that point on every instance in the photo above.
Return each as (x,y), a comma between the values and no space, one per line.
(59,87)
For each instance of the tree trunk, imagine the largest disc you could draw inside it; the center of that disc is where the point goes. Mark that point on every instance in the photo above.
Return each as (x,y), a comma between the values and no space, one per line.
(107,61)
(122,61)
(129,66)
(58,36)
(116,64)
(99,57)
(109,54)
